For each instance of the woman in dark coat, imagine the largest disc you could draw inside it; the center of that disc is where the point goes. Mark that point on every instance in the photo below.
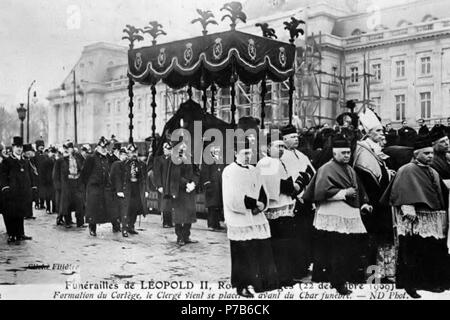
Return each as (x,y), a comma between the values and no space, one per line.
(99,194)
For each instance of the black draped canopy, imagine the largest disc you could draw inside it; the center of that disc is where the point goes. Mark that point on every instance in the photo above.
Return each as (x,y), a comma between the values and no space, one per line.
(212,58)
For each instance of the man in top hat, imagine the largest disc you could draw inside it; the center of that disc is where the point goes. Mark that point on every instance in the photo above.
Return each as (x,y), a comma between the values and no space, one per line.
(211,179)
(341,200)
(29,155)
(129,180)
(301,170)
(370,166)
(99,194)
(67,172)
(161,166)
(17,182)
(422,223)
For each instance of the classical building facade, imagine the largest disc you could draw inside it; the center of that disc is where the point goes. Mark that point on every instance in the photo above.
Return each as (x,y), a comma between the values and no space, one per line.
(395,60)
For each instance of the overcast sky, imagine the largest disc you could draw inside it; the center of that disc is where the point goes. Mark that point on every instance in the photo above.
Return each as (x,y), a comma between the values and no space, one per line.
(41,39)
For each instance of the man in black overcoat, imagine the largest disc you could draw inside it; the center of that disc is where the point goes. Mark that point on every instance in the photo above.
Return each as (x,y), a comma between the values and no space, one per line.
(45,170)
(99,193)
(67,174)
(17,182)
(161,167)
(211,179)
(129,180)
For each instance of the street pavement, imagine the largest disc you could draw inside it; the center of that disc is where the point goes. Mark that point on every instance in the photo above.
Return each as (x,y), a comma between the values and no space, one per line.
(152,254)
(73,255)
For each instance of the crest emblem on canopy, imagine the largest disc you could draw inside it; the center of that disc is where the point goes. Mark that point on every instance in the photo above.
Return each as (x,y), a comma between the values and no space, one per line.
(138,61)
(251,49)
(217,48)
(162,57)
(282,56)
(188,54)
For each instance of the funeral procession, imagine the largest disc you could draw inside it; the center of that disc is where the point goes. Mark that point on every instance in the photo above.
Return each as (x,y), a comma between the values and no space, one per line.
(253,149)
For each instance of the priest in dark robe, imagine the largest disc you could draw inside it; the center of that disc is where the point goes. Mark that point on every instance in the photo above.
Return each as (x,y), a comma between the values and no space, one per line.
(369,164)
(341,200)
(248,230)
(422,223)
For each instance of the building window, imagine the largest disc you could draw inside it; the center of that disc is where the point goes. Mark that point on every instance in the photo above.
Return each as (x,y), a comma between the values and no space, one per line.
(118,132)
(376,105)
(400,69)
(108,130)
(108,107)
(400,107)
(425,105)
(425,64)
(140,129)
(225,115)
(139,105)
(354,75)
(225,98)
(376,69)
(118,103)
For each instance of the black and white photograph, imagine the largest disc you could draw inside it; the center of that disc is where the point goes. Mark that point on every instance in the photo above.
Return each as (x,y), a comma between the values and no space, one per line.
(210,150)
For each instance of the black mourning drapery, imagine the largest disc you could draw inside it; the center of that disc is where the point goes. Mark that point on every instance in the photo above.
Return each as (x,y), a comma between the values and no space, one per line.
(200,61)
(218,59)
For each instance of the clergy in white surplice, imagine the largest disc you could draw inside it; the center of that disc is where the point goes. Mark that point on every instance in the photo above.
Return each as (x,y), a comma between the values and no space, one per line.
(281,192)
(301,170)
(244,200)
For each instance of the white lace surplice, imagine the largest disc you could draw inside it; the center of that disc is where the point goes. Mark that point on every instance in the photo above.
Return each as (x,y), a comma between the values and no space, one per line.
(335,215)
(260,232)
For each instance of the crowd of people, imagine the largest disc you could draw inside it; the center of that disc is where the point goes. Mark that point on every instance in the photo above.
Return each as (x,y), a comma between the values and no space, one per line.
(340,204)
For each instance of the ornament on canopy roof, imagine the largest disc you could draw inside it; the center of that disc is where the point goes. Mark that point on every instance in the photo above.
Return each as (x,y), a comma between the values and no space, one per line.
(292,27)
(266,31)
(235,13)
(206,17)
(154,29)
(132,35)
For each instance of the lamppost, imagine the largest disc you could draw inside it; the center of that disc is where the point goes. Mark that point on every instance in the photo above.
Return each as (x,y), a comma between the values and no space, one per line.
(28,108)
(22,112)
(63,95)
